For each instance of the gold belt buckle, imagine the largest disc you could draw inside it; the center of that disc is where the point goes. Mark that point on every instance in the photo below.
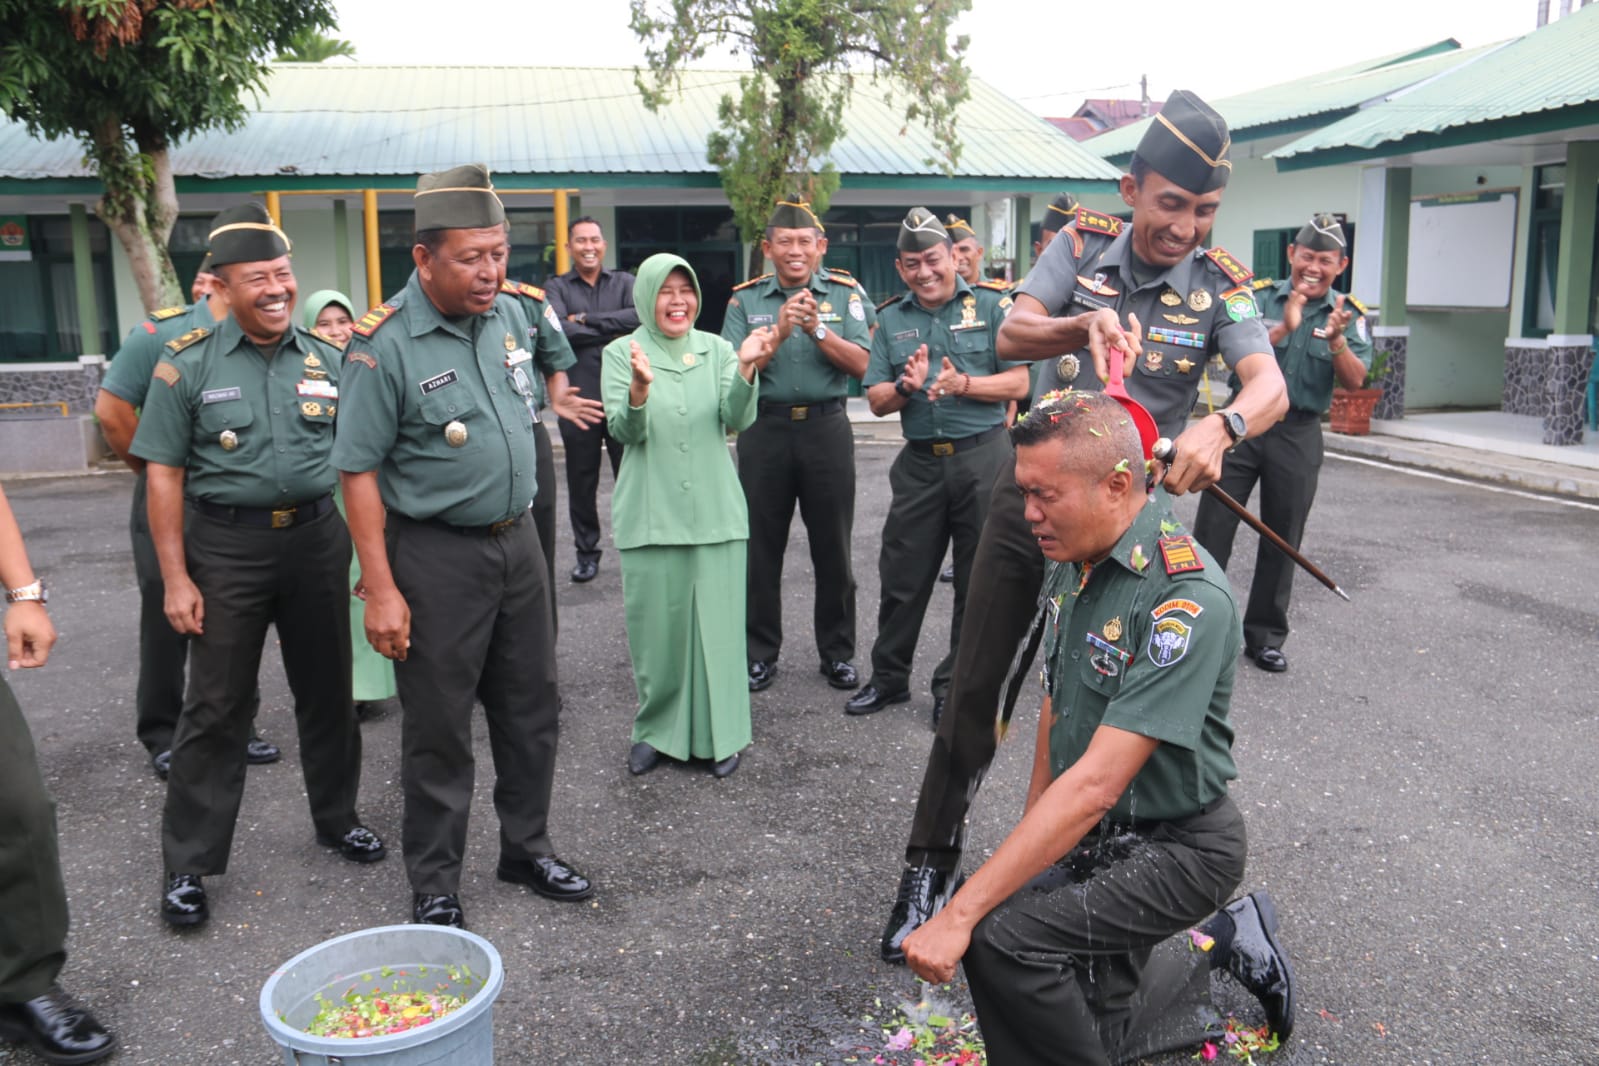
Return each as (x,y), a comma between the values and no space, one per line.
(943,447)
(283,519)
(501,526)
(798,414)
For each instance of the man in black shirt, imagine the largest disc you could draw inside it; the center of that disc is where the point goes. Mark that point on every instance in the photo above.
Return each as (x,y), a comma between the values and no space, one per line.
(596,307)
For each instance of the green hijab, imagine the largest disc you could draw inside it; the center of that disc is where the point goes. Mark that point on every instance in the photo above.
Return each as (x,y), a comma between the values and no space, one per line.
(318,301)
(651,276)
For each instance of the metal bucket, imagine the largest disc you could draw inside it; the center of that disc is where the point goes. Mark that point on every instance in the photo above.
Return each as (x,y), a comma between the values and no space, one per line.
(464,1037)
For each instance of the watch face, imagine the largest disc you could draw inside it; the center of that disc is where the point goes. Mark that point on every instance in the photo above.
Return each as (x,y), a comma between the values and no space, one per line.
(1235,425)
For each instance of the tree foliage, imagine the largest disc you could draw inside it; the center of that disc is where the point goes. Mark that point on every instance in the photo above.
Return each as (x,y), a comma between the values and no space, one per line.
(309,46)
(129,79)
(806,57)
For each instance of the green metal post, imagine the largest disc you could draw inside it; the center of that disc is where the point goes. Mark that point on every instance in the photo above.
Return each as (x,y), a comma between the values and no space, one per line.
(1574,265)
(341,248)
(83,277)
(1022,233)
(1395,245)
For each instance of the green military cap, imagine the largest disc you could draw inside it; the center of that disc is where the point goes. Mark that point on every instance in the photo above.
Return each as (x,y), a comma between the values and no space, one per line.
(245,234)
(958,228)
(1187,143)
(1322,233)
(1061,210)
(789,214)
(459,198)
(920,231)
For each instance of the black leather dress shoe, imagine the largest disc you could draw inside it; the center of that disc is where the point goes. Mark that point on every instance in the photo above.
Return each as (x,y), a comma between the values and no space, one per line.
(548,876)
(58,1027)
(1272,660)
(161,763)
(259,752)
(840,674)
(585,570)
(938,711)
(921,895)
(1259,963)
(725,767)
(437,910)
(360,844)
(641,759)
(183,902)
(762,674)
(947,575)
(870,700)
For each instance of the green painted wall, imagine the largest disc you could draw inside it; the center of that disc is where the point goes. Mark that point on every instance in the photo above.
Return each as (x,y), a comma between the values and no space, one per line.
(1455,359)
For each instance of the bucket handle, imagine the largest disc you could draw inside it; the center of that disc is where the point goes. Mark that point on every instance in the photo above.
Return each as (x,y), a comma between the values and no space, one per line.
(324,1060)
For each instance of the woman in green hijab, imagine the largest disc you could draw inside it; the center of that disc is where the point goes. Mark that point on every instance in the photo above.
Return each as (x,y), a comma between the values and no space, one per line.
(330,315)
(671,394)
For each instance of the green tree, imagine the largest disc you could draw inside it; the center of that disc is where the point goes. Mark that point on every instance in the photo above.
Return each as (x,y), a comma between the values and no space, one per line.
(129,79)
(309,46)
(806,58)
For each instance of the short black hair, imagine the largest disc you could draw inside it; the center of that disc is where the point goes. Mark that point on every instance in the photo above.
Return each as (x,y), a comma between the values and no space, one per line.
(1139,168)
(576,222)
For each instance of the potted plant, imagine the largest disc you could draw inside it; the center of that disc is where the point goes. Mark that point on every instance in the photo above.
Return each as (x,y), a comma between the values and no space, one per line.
(1351,408)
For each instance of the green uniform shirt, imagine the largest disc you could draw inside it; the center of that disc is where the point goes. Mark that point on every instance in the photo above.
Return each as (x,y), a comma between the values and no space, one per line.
(1305,355)
(1146,641)
(413,376)
(253,431)
(963,330)
(799,373)
(552,353)
(128,375)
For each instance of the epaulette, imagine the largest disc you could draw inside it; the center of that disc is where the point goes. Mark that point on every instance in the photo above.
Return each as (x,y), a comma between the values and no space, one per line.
(194,336)
(1179,556)
(840,272)
(521,288)
(166,313)
(751,281)
(1236,272)
(890,300)
(995,285)
(1358,306)
(1261,283)
(373,319)
(1095,222)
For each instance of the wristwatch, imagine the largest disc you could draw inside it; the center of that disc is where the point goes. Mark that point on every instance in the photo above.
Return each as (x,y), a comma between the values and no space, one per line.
(38,592)
(903,387)
(1234,422)
(820,332)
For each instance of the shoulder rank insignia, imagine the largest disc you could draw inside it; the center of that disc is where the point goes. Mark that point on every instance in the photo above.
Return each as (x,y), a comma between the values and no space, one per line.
(1261,283)
(841,274)
(751,281)
(374,318)
(194,336)
(1179,556)
(166,313)
(1095,222)
(994,285)
(1236,272)
(1349,298)
(896,298)
(521,288)
(165,371)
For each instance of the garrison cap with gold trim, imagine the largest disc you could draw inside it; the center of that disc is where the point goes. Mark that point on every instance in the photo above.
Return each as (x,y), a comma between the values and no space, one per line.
(1061,210)
(958,228)
(790,214)
(1323,233)
(459,198)
(245,234)
(920,231)
(1187,143)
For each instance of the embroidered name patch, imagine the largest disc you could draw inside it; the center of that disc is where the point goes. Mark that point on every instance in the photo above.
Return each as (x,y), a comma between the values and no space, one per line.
(1188,607)
(907,334)
(434,384)
(221,395)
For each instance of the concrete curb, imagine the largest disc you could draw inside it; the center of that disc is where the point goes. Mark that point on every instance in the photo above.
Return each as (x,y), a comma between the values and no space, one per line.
(1476,464)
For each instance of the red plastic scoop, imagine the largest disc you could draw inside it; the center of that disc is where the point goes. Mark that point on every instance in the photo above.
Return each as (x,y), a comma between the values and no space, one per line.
(1148,432)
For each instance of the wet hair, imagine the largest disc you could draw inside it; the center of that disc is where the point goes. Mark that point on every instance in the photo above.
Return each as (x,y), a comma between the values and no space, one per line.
(1098,432)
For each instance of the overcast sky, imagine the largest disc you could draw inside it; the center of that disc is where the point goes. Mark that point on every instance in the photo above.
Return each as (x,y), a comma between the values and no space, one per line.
(1047,55)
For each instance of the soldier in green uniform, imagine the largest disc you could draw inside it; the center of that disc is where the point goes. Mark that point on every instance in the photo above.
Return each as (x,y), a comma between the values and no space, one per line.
(800,448)
(158,695)
(1150,292)
(1129,836)
(237,431)
(436,458)
(1318,341)
(33,899)
(933,362)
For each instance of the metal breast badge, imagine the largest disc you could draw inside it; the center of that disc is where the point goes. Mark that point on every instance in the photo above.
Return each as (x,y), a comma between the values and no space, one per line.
(1067,367)
(454,434)
(229,440)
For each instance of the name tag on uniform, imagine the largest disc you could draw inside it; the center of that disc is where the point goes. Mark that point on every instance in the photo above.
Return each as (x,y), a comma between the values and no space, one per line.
(221,395)
(434,384)
(759,320)
(520,355)
(317,390)
(1089,301)
(907,334)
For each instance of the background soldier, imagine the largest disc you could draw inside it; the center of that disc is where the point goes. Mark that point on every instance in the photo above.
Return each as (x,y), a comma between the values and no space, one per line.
(436,456)
(1310,332)
(241,423)
(933,361)
(801,447)
(968,250)
(595,306)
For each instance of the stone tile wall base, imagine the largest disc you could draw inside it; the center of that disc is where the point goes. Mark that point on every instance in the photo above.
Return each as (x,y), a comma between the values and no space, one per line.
(1566,385)
(1392,404)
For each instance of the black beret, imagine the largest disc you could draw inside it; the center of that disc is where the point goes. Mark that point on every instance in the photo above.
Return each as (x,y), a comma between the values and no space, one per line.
(1187,143)
(245,234)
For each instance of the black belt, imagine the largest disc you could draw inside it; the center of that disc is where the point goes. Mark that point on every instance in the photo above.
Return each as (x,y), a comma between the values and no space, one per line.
(802,412)
(1144,825)
(266,517)
(954,447)
(493,529)
(1299,414)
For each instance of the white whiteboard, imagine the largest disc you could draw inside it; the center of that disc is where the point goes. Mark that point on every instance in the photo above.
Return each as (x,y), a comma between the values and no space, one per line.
(1462,249)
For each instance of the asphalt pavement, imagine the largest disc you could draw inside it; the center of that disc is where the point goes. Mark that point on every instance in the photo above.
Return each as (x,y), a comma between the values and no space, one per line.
(1420,789)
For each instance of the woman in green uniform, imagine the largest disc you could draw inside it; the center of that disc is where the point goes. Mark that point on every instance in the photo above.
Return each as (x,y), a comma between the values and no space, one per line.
(331,316)
(671,393)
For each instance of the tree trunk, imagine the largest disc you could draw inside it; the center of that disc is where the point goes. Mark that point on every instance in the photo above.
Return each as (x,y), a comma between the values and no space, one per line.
(140,206)
(757,260)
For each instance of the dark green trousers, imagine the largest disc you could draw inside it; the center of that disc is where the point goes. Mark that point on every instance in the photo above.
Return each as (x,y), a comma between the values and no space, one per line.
(33,901)
(158,699)
(936,499)
(544,502)
(811,462)
(297,581)
(1079,967)
(1286,462)
(480,631)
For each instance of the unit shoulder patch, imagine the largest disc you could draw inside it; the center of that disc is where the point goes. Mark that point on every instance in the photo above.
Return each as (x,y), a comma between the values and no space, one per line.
(165,371)
(167,312)
(1095,222)
(186,340)
(1261,283)
(1178,555)
(1225,262)
(751,281)
(521,288)
(374,318)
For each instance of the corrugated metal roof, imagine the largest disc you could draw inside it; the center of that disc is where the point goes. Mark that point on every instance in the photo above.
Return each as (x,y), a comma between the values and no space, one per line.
(1551,68)
(1327,92)
(342,119)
